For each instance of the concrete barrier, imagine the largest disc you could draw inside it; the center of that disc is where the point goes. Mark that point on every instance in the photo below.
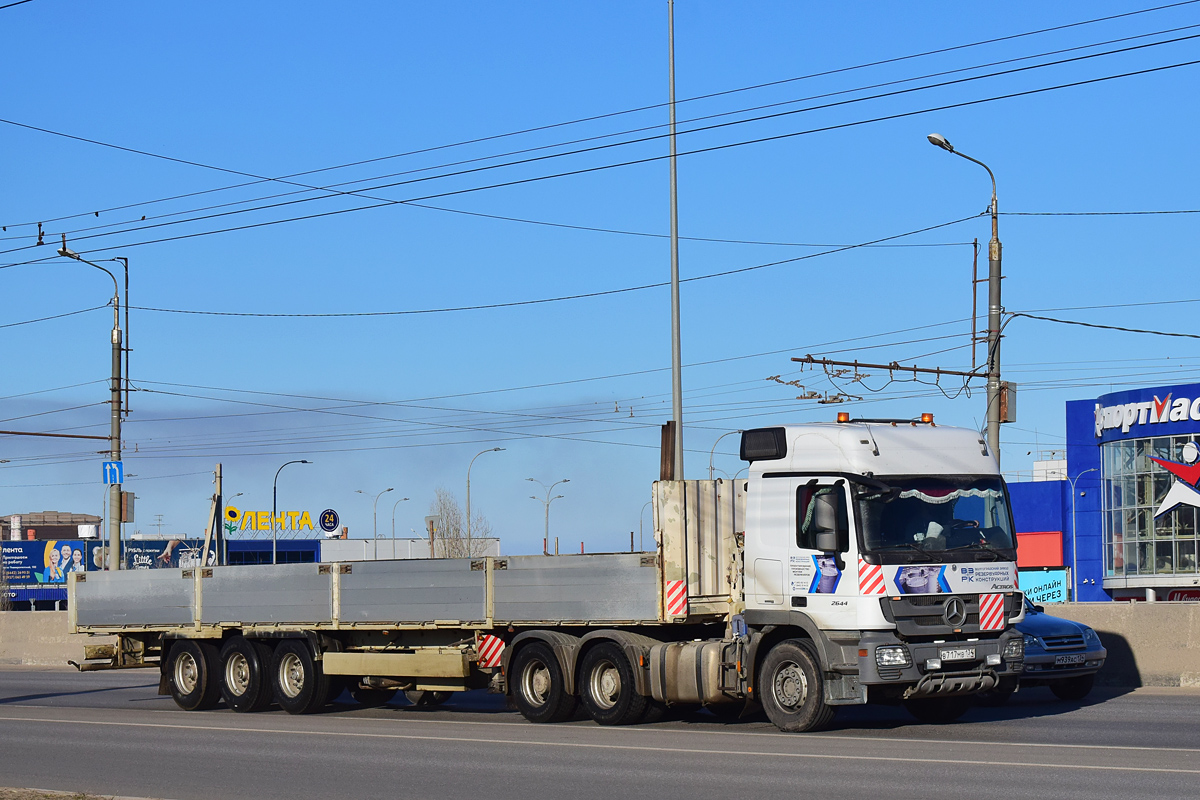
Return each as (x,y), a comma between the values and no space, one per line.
(40,638)
(1149,644)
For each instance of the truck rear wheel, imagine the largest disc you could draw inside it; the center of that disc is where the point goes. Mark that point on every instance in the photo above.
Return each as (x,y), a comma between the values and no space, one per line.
(791,688)
(244,665)
(194,674)
(606,687)
(299,683)
(538,687)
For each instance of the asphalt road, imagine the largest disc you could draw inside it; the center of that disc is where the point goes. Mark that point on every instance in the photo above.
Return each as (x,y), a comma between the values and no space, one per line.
(109,733)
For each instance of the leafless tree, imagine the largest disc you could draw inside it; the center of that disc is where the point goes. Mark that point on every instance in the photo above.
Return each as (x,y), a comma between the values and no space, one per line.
(450,533)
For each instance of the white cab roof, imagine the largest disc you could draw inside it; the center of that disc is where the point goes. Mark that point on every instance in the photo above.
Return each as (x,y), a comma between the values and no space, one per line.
(882,448)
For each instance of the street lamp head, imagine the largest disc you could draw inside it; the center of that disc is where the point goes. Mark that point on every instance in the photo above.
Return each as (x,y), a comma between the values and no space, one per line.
(67,253)
(388,489)
(565,480)
(938,140)
(497,449)
(305,462)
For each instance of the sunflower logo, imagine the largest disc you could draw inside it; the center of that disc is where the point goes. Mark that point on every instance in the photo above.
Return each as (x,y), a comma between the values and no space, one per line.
(232,514)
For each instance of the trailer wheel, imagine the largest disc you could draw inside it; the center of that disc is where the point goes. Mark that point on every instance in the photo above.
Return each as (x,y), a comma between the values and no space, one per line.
(245,685)
(300,685)
(792,690)
(538,688)
(939,710)
(606,687)
(194,675)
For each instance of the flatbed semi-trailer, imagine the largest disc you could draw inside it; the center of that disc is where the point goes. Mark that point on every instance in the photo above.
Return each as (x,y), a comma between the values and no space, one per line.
(859,561)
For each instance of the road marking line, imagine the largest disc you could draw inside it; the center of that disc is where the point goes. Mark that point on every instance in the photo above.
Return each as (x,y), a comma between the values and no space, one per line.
(646,729)
(634,748)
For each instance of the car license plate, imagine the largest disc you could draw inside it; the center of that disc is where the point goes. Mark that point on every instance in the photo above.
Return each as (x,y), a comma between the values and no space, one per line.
(1072,659)
(959,654)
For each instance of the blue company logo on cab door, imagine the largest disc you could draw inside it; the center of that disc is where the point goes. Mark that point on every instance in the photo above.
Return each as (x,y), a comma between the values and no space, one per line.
(825,579)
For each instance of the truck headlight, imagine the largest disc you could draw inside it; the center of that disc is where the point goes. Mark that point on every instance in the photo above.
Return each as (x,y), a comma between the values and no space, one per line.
(1090,637)
(892,655)
(1015,648)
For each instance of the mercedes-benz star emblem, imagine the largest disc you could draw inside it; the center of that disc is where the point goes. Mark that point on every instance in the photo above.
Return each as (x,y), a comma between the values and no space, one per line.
(955,613)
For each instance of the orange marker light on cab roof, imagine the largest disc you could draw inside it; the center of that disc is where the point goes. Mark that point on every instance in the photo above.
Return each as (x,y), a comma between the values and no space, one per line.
(843,416)
(927,418)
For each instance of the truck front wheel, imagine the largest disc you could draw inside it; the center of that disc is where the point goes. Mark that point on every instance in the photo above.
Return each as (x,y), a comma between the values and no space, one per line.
(195,669)
(538,687)
(606,687)
(791,688)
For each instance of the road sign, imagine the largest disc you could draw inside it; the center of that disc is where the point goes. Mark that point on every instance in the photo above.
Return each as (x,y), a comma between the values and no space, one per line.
(329,520)
(114,472)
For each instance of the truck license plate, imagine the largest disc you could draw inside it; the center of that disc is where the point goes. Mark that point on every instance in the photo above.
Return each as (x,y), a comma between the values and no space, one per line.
(1072,659)
(959,654)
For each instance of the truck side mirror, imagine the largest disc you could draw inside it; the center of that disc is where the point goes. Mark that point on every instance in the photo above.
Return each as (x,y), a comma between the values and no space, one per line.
(827,541)
(830,525)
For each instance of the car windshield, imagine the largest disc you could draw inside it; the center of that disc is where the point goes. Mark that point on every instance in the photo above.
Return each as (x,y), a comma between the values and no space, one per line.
(907,519)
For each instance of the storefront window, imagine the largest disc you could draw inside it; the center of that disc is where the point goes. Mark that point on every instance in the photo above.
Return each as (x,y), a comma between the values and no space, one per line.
(1136,543)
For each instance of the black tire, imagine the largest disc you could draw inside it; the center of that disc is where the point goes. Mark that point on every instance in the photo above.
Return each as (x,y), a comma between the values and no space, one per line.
(426,698)
(656,711)
(1073,689)
(194,674)
(538,687)
(792,690)
(938,710)
(606,686)
(372,698)
(245,685)
(299,683)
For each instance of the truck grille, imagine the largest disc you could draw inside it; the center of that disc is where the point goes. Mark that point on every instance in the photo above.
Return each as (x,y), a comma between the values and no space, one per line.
(921,615)
(1072,641)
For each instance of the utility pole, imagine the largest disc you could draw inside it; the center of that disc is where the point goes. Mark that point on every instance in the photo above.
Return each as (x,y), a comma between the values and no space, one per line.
(114,434)
(994,306)
(676,353)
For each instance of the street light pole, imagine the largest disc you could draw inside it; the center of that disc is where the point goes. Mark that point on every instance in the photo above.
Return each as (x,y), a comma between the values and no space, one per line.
(714,450)
(114,436)
(398,502)
(274,509)
(676,352)
(375,521)
(547,502)
(994,306)
(641,533)
(1074,538)
(477,455)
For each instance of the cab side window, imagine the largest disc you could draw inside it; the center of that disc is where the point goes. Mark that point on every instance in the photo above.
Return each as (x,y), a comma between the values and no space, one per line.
(809,515)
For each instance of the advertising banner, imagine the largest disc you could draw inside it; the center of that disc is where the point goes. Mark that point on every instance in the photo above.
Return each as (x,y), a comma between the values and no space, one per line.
(1044,586)
(979,577)
(167,554)
(42,563)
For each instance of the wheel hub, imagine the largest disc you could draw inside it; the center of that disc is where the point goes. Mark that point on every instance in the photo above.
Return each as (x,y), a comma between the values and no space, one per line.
(291,675)
(536,683)
(605,684)
(791,686)
(237,674)
(187,673)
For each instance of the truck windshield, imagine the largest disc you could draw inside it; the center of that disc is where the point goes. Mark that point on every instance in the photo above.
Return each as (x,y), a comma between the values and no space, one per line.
(940,519)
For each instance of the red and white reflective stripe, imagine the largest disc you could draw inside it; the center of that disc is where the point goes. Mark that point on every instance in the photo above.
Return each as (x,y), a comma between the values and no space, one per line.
(870,578)
(490,649)
(677,600)
(991,612)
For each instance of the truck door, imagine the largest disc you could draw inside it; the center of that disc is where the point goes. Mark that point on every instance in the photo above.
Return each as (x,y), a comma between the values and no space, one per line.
(822,562)
(769,526)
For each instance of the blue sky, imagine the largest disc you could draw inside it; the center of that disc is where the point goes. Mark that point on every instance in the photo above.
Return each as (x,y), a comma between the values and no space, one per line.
(571,388)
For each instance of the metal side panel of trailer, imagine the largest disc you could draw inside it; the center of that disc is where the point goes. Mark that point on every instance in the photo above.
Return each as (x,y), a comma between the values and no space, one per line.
(139,598)
(294,594)
(607,587)
(414,591)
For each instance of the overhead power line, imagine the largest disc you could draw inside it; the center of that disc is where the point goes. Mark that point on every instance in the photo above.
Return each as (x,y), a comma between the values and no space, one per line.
(55,316)
(592,118)
(473,170)
(1105,327)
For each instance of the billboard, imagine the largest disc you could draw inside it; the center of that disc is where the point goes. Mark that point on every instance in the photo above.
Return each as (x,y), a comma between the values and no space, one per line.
(166,554)
(42,563)
(1045,586)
